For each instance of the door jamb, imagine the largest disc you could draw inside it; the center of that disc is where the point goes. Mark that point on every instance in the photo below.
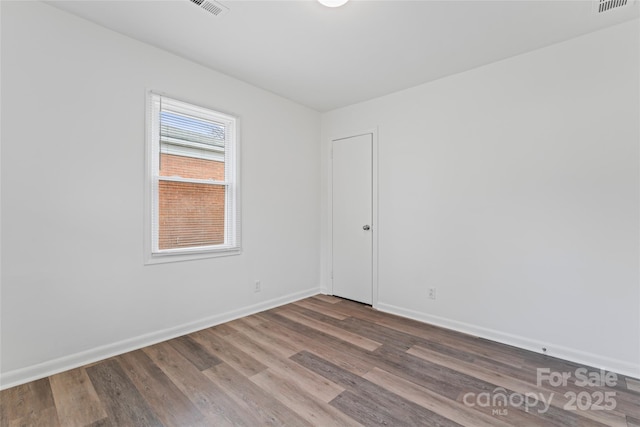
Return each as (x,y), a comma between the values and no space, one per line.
(374,209)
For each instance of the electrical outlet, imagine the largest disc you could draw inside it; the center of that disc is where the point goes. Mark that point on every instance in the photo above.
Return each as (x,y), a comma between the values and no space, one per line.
(432,293)
(257,287)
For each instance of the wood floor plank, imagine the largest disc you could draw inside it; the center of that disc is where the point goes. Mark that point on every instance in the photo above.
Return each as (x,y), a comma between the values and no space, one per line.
(222,329)
(357,310)
(442,380)
(370,413)
(327,298)
(345,307)
(170,405)
(76,400)
(30,404)
(610,417)
(252,320)
(44,418)
(411,368)
(362,394)
(318,413)
(627,386)
(123,403)
(451,409)
(334,331)
(633,384)
(194,352)
(261,402)
(321,307)
(473,346)
(212,402)
(281,347)
(379,333)
(345,355)
(318,386)
(6,403)
(581,418)
(215,343)
(321,317)
(321,361)
(628,400)
(102,423)
(496,351)
(633,422)
(276,332)
(271,329)
(401,339)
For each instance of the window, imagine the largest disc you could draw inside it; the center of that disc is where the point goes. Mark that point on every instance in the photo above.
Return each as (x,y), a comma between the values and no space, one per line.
(193,177)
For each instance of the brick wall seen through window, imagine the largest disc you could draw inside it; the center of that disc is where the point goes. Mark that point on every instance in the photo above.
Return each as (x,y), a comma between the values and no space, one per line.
(197,206)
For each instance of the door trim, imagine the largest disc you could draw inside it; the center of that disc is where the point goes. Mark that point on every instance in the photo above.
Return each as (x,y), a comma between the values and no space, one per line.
(375,226)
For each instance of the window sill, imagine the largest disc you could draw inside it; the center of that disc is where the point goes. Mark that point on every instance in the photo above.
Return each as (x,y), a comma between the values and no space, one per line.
(163,258)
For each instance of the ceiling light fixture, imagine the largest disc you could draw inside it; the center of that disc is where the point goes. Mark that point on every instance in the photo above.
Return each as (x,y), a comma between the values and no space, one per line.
(333,3)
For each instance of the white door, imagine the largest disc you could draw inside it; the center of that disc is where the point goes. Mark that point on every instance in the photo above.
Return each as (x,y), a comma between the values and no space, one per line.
(352,218)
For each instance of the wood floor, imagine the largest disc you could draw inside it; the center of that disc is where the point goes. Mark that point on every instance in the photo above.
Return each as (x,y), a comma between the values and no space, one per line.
(324,361)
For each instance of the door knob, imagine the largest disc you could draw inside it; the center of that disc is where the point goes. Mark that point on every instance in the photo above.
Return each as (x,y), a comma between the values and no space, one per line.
(366,227)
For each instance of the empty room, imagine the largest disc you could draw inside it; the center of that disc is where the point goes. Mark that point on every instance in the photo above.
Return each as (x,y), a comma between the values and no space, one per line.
(320,213)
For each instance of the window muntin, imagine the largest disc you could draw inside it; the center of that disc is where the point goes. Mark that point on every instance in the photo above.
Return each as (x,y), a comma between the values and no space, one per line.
(194,185)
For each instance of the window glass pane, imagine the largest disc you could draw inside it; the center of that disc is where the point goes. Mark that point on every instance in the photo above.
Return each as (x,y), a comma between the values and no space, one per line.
(190,214)
(186,128)
(191,147)
(191,167)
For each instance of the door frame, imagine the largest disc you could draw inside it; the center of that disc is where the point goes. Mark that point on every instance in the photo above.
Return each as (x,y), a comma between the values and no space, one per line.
(374,209)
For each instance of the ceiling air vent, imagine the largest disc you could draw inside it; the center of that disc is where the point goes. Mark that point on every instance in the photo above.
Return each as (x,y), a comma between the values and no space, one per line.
(212,6)
(601,6)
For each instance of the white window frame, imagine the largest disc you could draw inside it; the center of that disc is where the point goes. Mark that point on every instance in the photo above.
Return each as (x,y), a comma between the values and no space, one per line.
(231,157)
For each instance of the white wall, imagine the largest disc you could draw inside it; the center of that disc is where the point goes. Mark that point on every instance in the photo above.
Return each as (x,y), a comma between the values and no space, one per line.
(514,190)
(74,286)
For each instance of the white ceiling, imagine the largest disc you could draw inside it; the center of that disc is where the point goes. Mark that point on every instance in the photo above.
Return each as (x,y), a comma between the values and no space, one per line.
(328,58)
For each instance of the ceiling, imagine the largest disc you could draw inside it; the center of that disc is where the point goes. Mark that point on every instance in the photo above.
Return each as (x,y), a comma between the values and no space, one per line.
(327,58)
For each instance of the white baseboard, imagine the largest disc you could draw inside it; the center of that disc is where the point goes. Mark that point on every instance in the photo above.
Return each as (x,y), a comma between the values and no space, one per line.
(561,352)
(55,366)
